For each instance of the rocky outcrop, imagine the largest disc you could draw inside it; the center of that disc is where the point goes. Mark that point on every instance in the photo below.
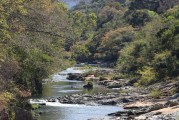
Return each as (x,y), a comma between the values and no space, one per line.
(151,109)
(154,5)
(100,99)
(115,83)
(109,102)
(112,98)
(75,76)
(137,109)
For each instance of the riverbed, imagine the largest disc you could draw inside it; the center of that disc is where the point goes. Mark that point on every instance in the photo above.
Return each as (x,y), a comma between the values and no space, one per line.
(60,86)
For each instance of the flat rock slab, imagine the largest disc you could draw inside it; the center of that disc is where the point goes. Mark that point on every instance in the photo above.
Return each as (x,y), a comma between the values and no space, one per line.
(142,104)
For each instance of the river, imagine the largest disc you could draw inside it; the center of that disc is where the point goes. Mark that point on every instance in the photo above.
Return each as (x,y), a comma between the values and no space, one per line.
(62,87)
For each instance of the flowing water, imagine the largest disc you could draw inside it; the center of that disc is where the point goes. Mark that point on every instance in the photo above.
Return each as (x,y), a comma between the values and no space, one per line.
(61,87)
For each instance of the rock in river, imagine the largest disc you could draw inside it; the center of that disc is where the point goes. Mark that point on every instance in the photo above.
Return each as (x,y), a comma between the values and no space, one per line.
(75,76)
(89,85)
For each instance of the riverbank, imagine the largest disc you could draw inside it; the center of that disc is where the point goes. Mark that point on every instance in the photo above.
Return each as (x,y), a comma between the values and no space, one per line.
(137,103)
(154,102)
(140,103)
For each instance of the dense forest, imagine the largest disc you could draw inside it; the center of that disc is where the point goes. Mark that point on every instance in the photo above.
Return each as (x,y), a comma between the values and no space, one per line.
(139,39)
(40,37)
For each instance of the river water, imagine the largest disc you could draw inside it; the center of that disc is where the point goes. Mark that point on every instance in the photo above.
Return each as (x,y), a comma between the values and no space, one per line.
(61,87)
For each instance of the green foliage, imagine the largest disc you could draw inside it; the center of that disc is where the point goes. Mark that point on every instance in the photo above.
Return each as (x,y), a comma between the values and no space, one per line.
(39,37)
(153,54)
(147,50)
(35,106)
(148,75)
(156,93)
(32,38)
(61,6)
(113,41)
(140,17)
(5,98)
(8,8)
(80,53)
(133,56)
(95,20)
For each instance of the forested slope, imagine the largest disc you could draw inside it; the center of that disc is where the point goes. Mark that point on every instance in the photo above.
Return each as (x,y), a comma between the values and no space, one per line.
(36,38)
(32,46)
(158,6)
(140,38)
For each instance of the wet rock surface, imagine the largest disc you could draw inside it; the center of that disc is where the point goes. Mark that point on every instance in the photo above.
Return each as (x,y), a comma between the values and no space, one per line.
(112,98)
(100,98)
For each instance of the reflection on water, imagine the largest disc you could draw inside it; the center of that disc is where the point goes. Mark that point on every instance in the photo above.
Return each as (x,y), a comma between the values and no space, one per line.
(62,87)
(66,88)
(69,91)
(76,112)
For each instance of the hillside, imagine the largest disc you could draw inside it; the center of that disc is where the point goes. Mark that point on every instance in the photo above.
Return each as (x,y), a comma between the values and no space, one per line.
(154,5)
(134,37)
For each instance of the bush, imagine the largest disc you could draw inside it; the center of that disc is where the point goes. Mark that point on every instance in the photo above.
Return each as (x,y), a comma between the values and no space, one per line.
(35,106)
(148,75)
(156,93)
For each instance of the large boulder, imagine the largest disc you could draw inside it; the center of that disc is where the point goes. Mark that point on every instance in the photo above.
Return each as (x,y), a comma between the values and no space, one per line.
(114,83)
(108,102)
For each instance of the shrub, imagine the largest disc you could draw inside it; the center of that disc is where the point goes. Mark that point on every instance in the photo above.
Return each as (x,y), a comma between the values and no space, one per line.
(148,75)
(35,106)
(155,93)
